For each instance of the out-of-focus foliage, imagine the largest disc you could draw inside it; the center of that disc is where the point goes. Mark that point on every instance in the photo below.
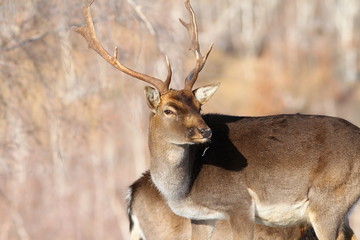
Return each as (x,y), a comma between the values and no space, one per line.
(74,131)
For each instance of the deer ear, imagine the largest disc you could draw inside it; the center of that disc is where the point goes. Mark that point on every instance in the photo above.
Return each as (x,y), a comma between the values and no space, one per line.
(203,94)
(152,98)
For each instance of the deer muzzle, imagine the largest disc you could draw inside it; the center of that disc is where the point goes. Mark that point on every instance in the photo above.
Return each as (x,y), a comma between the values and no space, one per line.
(205,132)
(199,135)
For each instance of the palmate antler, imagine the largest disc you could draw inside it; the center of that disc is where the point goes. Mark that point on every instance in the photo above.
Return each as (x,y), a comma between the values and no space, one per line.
(88,32)
(194,47)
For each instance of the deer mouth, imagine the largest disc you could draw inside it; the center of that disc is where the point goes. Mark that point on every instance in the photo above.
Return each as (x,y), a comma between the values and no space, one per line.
(200,140)
(199,135)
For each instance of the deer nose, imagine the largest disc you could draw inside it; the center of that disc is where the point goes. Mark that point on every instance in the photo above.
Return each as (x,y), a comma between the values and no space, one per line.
(205,132)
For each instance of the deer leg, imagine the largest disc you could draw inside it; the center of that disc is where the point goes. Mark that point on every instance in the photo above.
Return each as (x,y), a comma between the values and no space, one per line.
(354,219)
(326,223)
(202,229)
(242,225)
(345,234)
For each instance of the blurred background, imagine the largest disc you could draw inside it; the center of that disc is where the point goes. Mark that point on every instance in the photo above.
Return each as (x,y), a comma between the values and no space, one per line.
(73,131)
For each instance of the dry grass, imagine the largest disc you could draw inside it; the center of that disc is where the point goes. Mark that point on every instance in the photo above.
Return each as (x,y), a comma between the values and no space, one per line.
(73,130)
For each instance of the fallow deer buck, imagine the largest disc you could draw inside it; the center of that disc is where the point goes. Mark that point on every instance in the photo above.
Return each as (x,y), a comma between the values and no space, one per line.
(279,170)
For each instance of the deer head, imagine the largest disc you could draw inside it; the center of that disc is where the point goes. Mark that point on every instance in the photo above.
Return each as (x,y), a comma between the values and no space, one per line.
(176,112)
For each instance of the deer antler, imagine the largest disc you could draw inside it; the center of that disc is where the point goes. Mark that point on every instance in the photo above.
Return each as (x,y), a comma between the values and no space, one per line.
(194,47)
(88,32)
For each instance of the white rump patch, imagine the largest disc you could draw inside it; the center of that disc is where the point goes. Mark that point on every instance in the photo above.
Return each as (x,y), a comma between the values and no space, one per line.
(136,232)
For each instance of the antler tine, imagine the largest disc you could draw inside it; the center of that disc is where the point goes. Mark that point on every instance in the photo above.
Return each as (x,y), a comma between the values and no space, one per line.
(194,47)
(88,32)
(168,78)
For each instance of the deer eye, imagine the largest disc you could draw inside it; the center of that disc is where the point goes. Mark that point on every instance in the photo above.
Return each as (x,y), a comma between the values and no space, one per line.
(168,112)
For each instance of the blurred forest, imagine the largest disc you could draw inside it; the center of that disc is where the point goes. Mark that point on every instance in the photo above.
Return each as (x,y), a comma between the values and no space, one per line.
(73,131)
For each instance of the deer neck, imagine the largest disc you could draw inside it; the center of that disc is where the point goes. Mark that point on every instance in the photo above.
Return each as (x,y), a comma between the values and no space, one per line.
(170,166)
